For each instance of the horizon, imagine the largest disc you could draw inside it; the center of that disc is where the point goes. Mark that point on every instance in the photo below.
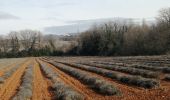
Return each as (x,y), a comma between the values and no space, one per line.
(47,16)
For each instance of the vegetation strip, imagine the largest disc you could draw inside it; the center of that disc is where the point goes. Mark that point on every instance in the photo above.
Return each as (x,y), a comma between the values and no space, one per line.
(6,68)
(96,83)
(139,66)
(9,62)
(160,69)
(167,77)
(9,73)
(25,90)
(62,91)
(133,80)
(8,89)
(40,85)
(129,70)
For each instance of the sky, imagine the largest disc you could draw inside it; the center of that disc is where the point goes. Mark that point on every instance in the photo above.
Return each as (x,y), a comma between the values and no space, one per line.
(41,14)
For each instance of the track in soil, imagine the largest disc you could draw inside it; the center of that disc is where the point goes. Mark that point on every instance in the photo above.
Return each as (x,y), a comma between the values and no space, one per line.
(9,88)
(8,67)
(80,87)
(40,85)
(135,93)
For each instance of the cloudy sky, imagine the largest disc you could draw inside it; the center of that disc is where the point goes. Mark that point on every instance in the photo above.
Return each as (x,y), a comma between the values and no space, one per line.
(42,14)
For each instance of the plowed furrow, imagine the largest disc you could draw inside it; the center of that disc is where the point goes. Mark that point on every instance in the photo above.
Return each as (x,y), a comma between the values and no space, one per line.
(79,86)
(76,84)
(134,93)
(40,85)
(9,88)
(6,68)
(130,93)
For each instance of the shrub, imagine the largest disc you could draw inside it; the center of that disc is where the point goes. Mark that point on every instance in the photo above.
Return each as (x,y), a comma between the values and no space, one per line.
(166,70)
(129,70)
(9,73)
(61,90)
(167,77)
(25,90)
(1,80)
(93,82)
(132,80)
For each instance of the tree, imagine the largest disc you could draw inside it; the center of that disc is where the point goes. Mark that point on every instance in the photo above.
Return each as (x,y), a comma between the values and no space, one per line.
(89,42)
(164,17)
(14,42)
(51,40)
(164,26)
(30,39)
(4,44)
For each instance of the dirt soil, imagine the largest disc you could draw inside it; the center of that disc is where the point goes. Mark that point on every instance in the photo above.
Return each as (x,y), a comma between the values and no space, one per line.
(40,85)
(135,93)
(9,88)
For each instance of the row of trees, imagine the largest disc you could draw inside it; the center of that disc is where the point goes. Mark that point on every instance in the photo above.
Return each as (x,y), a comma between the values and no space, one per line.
(18,41)
(109,39)
(27,43)
(127,38)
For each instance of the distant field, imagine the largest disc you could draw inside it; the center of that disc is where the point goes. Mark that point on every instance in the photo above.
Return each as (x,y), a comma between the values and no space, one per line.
(85,78)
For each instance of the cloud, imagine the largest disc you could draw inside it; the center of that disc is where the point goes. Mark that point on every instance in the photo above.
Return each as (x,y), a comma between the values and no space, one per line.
(4,15)
(66,29)
(83,25)
(58,4)
(66,4)
(76,26)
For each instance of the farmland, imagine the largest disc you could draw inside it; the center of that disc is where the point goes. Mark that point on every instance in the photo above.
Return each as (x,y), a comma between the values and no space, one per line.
(85,78)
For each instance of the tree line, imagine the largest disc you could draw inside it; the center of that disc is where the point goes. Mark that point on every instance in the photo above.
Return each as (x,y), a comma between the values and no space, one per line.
(115,38)
(27,43)
(127,38)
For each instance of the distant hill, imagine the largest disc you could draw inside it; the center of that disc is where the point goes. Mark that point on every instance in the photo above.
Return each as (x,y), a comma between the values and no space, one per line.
(83,25)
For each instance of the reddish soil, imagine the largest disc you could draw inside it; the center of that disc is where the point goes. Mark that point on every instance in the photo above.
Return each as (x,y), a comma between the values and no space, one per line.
(74,83)
(8,67)
(134,93)
(9,88)
(40,85)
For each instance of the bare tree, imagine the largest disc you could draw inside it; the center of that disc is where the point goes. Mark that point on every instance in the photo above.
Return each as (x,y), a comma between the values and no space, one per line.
(164,17)
(30,39)
(14,40)
(51,40)
(4,44)
(164,27)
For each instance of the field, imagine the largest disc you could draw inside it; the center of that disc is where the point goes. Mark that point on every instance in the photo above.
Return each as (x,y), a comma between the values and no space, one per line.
(85,78)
